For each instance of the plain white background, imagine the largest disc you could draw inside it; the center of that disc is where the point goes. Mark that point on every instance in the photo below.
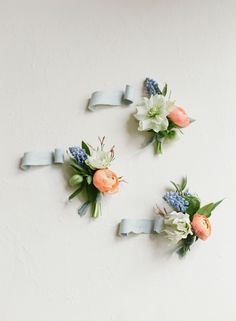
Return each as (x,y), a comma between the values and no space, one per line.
(56,266)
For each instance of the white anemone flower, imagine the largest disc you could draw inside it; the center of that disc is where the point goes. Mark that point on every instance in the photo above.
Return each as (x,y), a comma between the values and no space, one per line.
(177,226)
(99,159)
(152,113)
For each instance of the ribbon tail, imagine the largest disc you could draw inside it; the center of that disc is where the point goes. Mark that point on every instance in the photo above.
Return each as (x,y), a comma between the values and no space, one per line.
(83,209)
(111,98)
(42,158)
(141,226)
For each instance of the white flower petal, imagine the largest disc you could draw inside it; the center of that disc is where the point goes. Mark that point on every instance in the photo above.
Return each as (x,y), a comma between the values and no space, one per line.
(170,105)
(177,226)
(159,100)
(99,159)
(141,113)
(153,112)
(164,123)
(145,125)
(150,102)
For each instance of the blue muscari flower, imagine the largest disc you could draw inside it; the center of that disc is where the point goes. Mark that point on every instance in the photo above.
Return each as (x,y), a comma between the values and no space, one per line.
(187,194)
(176,201)
(152,87)
(79,154)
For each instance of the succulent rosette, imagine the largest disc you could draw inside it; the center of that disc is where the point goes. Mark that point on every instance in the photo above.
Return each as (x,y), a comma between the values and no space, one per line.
(188,221)
(92,176)
(159,115)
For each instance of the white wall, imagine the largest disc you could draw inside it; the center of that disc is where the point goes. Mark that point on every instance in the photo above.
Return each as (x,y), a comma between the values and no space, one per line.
(54,54)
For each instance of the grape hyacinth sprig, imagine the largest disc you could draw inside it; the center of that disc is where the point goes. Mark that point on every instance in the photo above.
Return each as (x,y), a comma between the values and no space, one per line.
(79,154)
(189,221)
(92,176)
(176,201)
(159,115)
(151,87)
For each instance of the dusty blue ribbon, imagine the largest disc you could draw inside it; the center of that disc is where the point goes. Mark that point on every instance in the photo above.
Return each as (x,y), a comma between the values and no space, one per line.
(42,158)
(111,98)
(141,226)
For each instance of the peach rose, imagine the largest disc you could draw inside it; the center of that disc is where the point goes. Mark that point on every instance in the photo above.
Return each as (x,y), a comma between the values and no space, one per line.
(106,181)
(201,226)
(179,117)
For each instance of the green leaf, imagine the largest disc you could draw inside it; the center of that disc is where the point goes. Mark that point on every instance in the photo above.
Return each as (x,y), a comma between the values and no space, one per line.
(207,209)
(183,183)
(217,203)
(184,245)
(89,179)
(75,180)
(180,187)
(175,185)
(92,192)
(162,134)
(76,170)
(86,148)
(194,205)
(171,134)
(77,166)
(164,90)
(84,170)
(171,125)
(76,192)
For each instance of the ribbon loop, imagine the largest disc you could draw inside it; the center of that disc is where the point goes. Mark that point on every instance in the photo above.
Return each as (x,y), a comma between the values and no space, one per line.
(141,226)
(42,158)
(111,98)
(129,95)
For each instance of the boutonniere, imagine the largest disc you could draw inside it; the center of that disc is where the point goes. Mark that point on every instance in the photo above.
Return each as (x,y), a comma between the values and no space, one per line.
(189,221)
(159,115)
(183,223)
(92,175)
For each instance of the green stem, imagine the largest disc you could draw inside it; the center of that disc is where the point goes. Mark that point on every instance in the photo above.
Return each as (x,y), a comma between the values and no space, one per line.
(97,206)
(158,149)
(97,209)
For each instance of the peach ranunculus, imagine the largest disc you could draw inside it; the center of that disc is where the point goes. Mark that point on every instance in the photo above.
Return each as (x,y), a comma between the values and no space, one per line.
(179,117)
(201,226)
(106,181)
